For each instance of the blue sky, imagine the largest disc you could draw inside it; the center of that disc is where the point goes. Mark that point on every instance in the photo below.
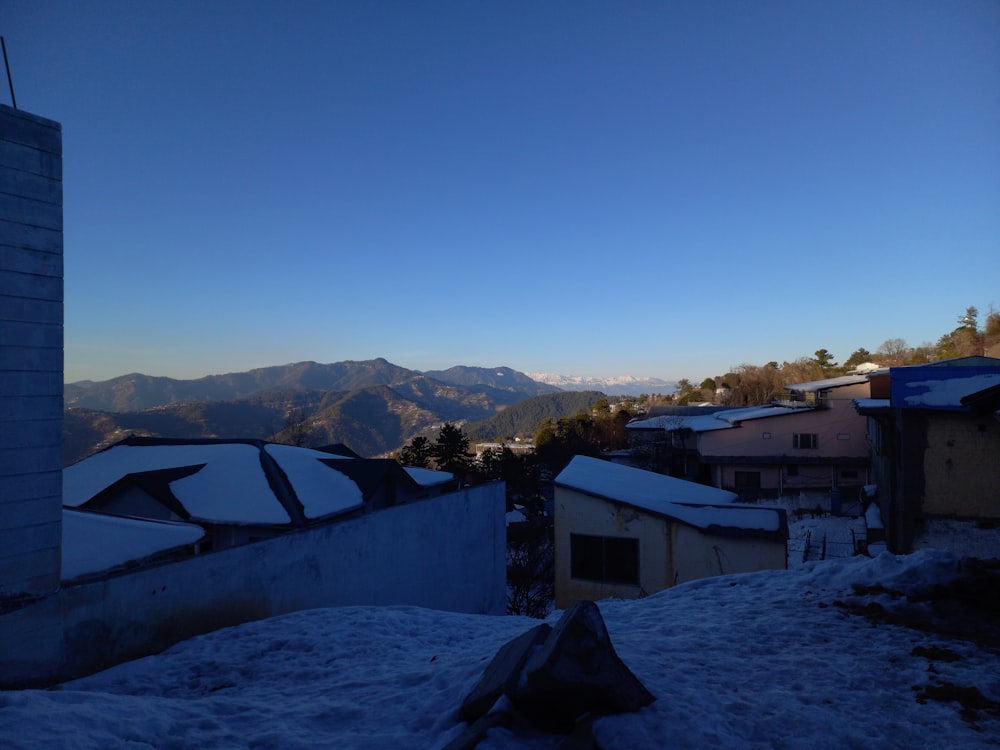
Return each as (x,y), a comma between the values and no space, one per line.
(664,189)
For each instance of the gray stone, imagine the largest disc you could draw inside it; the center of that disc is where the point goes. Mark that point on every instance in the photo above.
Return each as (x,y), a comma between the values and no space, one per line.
(502,673)
(577,672)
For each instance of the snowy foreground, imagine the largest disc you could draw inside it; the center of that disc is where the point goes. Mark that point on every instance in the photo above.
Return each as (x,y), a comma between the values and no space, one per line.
(774,659)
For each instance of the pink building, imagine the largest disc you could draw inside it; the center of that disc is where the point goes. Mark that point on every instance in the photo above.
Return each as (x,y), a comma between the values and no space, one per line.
(813,440)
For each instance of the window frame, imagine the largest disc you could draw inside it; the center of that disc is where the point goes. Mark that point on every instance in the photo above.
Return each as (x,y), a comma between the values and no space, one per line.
(805,441)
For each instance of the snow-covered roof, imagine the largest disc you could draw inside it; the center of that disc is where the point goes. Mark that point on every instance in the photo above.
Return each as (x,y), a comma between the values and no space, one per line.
(428,477)
(872,403)
(231,486)
(720,420)
(94,542)
(240,482)
(760,412)
(691,503)
(814,386)
(941,392)
(865,368)
(320,488)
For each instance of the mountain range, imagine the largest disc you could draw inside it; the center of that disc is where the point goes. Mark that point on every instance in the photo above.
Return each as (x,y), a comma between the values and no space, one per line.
(372,406)
(624,385)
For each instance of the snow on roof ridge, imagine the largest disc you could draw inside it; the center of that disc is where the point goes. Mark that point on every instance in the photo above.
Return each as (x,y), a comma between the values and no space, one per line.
(688,502)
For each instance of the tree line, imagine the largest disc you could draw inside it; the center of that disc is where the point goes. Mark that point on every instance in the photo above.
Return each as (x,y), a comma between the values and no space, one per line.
(749,385)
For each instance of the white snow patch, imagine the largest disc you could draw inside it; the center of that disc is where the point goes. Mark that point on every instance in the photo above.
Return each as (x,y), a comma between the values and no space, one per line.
(93,542)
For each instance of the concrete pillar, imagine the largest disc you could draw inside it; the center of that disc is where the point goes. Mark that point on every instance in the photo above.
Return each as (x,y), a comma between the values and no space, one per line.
(31,355)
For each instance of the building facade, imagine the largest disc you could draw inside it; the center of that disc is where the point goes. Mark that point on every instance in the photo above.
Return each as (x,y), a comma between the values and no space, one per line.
(31,355)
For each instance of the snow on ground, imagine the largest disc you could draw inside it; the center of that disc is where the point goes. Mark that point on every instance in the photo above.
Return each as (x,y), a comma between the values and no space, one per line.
(762,660)
(971,538)
(823,537)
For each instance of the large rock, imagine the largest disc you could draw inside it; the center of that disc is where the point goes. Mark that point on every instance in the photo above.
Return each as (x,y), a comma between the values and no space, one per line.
(577,672)
(555,679)
(502,673)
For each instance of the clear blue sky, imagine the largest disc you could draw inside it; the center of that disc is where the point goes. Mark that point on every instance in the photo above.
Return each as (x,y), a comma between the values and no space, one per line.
(656,188)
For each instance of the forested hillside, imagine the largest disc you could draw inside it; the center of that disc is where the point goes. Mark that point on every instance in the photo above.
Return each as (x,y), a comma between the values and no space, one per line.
(521,419)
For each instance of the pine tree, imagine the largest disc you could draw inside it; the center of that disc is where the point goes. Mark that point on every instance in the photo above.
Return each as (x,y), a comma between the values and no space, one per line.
(451,451)
(417,452)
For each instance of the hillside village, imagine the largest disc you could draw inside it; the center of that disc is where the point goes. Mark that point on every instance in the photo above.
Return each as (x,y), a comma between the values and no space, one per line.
(154,540)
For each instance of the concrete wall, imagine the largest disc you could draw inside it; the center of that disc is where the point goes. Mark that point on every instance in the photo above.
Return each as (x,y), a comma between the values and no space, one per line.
(700,555)
(446,553)
(31,356)
(960,467)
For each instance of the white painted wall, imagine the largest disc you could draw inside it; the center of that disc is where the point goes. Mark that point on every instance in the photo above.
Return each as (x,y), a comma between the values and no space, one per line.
(31,356)
(444,553)
(669,552)
(579,513)
(700,555)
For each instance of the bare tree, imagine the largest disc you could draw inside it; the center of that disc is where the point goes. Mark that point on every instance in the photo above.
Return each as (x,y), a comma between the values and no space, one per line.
(892,352)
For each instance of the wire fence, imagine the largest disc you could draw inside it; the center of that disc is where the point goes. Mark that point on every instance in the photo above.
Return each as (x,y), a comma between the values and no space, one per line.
(831,538)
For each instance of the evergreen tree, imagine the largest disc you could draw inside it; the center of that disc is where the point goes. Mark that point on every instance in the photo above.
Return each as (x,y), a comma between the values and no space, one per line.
(418,452)
(825,360)
(964,341)
(451,451)
(858,357)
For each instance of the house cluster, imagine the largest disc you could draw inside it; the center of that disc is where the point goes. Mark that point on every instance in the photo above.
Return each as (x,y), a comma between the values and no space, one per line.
(813,439)
(911,449)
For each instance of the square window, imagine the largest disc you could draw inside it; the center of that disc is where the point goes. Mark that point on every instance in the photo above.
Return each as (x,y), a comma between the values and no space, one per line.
(605,559)
(805,440)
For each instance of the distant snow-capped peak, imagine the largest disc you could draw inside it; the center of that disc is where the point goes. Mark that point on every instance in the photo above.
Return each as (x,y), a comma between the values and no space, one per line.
(621,384)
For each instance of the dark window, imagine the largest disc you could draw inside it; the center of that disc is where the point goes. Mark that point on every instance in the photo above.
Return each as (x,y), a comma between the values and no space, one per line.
(805,440)
(748,480)
(848,474)
(586,557)
(607,559)
(793,470)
